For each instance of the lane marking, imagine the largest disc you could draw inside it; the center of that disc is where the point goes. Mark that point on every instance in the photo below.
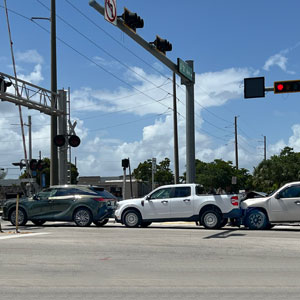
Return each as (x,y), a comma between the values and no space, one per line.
(17,235)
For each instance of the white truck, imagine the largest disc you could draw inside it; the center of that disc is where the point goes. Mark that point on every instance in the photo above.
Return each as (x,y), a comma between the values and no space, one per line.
(282,206)
(178,202)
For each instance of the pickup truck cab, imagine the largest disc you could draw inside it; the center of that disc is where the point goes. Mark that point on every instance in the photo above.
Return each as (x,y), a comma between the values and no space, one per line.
(180,202)
(282,206)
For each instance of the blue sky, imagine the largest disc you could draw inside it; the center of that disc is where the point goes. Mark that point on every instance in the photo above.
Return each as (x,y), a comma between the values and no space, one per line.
(121,96)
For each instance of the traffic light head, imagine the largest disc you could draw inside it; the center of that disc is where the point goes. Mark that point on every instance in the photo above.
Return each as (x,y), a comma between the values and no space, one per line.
(132,20)
(40,165)
(289,86)
(162,45)
(74,141)
(125,163)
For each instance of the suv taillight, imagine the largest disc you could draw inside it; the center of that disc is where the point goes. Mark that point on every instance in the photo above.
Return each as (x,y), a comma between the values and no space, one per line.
(99,199)
(235,200)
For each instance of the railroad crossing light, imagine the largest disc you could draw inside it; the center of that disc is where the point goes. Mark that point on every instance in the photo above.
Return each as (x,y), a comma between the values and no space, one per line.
(59,140)
(288,86)
(132,20)
(4,84)
(33,164)
(40,165)
(162,45)
(74,141)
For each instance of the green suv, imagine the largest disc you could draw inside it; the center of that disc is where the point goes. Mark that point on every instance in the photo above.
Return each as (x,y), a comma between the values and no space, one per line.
(79,203)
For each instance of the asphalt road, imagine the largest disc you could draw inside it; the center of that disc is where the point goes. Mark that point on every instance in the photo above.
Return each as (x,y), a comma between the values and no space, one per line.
(164,261)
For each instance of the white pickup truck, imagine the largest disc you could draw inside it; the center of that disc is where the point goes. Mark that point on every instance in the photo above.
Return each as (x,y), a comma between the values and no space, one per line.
(178,202)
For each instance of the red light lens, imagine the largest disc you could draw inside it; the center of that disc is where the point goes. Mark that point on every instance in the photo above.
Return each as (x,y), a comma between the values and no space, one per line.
(235,200)
(280,87)
(99,199)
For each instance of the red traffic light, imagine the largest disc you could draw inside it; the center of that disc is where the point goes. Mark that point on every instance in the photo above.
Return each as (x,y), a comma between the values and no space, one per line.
(59,140)
(74,141)
(289,86)
(40,165)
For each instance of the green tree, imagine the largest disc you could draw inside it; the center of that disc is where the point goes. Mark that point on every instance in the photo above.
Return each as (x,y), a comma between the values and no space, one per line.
(162,176)
(219,173)
(279,169)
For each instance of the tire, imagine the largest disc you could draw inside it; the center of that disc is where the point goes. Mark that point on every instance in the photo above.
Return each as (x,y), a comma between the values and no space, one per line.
(38,222)
(223,222)
(146,224)
(82,217)
(22,217)
(101,223)
(256,219)
(132,218)
(211,219)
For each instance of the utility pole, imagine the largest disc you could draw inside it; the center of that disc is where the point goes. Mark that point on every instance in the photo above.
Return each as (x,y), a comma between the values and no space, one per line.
(236,144)
(30,138)
(265,148)
(53,148)
(176,160)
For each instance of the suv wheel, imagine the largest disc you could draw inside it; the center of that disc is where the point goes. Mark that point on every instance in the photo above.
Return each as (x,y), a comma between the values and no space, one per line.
(82,217)
(132,218)
(22,217)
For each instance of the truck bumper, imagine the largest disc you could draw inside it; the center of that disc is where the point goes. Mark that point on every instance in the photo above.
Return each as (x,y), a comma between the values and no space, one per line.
(234,213)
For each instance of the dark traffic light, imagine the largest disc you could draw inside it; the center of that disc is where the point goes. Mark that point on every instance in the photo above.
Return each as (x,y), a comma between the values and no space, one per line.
(132,20)
(254,87)
(125,163)
(288,86)
(4,84)
(20,164)
(162,45)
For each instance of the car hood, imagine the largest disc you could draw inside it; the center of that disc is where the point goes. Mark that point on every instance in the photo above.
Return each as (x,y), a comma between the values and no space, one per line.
(253,202)
(135,201)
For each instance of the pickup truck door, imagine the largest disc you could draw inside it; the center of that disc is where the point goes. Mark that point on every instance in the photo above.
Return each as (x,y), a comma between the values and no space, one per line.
(182,205)
(157,204)
(286,205)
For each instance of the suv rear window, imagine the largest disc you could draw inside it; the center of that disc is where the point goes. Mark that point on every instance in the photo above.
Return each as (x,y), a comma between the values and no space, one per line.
(103,193)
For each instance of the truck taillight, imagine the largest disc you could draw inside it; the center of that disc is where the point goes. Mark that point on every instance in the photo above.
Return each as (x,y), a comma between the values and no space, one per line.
(235,200)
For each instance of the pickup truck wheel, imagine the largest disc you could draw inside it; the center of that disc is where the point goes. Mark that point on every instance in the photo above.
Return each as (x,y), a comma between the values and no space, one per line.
(132,218)
(256,219)
(211,219)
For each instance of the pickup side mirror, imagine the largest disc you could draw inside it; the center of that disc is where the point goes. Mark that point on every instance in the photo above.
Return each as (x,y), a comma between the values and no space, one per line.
(148,197)
(277,196)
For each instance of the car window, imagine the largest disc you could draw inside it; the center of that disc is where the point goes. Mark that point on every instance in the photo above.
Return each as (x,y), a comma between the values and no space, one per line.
(161,194)
(290,192)
(199,190)
(45,194)
(64,192)
(106,195)
(183,191)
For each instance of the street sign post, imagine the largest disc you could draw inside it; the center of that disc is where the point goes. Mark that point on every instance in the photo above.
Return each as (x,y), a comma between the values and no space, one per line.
(110,11)
(185,69)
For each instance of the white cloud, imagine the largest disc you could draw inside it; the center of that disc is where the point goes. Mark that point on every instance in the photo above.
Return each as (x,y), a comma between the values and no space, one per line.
(29,56)
(35,76)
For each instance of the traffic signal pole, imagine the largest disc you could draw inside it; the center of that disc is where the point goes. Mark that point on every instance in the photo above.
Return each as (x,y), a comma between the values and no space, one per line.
(190,123)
